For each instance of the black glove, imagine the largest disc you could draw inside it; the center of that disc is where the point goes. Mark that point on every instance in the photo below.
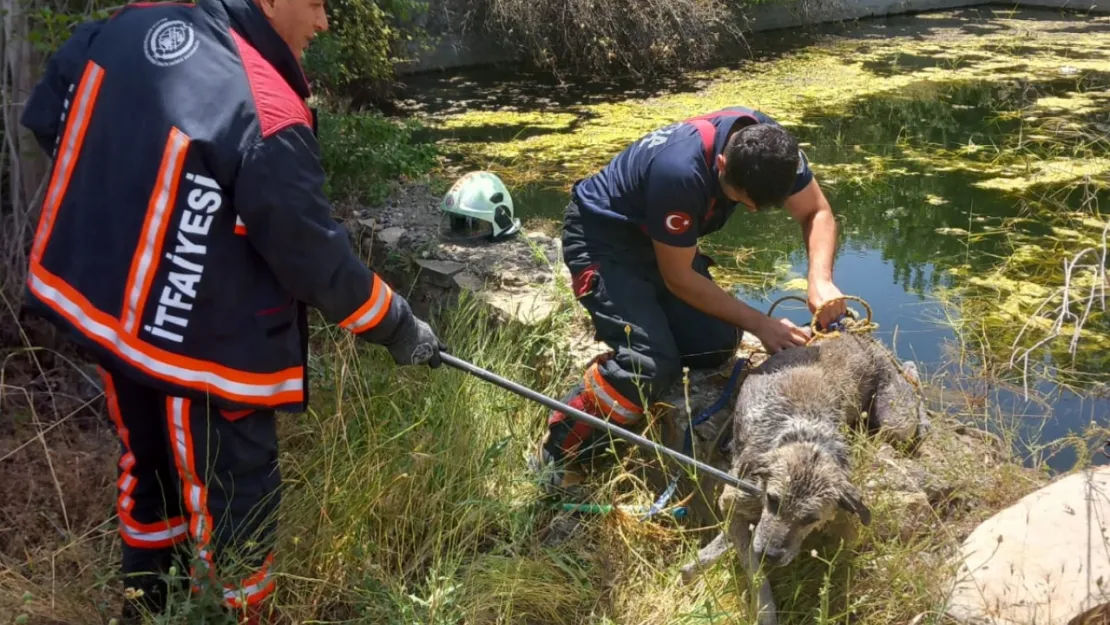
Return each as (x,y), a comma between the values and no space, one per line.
(416,344)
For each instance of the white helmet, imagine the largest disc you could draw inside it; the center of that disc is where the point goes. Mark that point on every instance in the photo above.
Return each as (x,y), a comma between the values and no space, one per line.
(478,197)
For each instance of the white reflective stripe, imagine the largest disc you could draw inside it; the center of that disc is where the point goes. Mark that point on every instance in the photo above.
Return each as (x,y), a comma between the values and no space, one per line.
(161,207)
(128,461)
(245,593)
(160,535)
(195,504)
(205,559)
(195,493)
(184,461)
(239,222)
(127,503)
(128,482)
(362,322)
(610,403)
(71,141)
(179,434)
(144,361)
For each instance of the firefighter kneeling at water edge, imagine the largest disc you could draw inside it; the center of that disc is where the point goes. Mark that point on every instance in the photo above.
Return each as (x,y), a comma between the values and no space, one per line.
(183,234)
(630,237)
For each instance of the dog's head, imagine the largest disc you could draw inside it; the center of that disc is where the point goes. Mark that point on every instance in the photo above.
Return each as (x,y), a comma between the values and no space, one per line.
(803,488)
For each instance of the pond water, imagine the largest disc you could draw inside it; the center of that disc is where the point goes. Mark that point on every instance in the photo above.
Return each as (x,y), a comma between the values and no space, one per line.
(916,127)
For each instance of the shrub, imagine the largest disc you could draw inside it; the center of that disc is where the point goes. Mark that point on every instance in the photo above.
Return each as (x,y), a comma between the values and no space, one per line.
(354,60)
(362,152)
(603,37)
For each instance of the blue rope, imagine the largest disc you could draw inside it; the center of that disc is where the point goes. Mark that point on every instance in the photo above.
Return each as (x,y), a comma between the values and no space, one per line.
(838,324)
(688,440)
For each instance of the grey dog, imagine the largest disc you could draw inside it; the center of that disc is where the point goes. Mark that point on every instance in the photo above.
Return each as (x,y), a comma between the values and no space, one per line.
(788,438)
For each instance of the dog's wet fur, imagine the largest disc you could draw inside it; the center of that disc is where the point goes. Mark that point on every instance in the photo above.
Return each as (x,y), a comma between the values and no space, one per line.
(788,438)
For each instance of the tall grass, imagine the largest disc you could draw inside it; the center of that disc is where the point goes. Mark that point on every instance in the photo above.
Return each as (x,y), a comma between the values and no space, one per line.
(406,501)
(400,478)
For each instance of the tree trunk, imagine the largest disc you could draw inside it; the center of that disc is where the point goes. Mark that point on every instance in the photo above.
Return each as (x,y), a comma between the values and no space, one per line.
(21,160)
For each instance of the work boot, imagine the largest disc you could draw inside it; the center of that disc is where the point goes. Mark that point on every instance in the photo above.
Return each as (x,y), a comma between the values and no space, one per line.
(557,471)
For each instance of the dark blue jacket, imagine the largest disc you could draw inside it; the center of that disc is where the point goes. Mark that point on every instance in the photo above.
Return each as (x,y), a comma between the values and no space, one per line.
(666,182)
(184,229)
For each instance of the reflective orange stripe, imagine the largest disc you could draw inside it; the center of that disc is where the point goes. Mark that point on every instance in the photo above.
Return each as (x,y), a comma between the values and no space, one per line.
(253,589)
(267,389)
(234,415)
(114,413)
(240,227)
(194,491)
(621,409)
(149,249)
(154,535)
(70,149)
(371,313)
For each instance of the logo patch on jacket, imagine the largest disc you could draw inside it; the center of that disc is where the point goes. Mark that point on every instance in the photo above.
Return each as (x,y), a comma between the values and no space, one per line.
(169,42)
(677,222)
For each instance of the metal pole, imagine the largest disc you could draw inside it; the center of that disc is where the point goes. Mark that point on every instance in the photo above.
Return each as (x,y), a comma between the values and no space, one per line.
(597,423)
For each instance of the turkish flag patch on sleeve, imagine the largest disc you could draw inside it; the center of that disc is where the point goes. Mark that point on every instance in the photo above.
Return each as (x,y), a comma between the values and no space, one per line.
(677,222)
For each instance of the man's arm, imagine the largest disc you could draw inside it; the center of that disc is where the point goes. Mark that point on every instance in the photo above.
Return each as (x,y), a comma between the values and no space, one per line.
(42,113)
(812,211)
(676,266)
(279,196)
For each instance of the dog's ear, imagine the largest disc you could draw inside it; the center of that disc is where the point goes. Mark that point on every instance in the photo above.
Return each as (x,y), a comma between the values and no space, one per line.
(851,501)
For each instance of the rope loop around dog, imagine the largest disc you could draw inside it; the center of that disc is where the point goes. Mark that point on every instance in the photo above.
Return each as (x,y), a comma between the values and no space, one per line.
(850,323)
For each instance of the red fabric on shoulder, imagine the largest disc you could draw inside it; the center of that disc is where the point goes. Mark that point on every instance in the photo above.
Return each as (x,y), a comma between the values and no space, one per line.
(278,105)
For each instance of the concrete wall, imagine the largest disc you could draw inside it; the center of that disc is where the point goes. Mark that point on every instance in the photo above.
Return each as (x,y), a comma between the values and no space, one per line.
(1094,6)
(772,17)
(454,50)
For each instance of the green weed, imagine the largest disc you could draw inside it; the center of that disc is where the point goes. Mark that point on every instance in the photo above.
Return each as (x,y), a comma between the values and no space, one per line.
(364,152)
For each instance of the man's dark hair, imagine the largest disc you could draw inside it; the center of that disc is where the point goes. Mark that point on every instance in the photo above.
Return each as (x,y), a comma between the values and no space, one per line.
(762,159)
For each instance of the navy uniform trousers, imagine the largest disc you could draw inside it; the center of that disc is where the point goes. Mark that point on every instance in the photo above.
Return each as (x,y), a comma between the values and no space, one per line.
(194,482)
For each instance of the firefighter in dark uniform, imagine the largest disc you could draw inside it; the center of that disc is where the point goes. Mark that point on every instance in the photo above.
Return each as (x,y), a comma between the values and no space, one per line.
(184,232)
(630,240)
